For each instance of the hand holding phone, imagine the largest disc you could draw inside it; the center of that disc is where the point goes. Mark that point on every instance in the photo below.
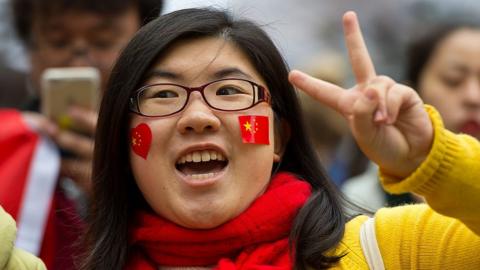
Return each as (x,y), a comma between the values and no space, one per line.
(70,99)
(64,87)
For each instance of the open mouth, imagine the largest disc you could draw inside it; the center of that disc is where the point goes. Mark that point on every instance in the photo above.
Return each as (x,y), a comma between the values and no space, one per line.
(201,164)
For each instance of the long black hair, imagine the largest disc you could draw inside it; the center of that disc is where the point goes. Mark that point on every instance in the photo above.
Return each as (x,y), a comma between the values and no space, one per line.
(320,223)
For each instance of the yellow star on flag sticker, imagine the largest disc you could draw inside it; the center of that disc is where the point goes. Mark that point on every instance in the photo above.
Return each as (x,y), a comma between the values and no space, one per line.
(248,126)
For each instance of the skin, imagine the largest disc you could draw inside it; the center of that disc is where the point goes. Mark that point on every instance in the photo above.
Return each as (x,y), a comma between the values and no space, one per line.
(75,39)
(80,38)
(387,119)
(451,81)
(214,202)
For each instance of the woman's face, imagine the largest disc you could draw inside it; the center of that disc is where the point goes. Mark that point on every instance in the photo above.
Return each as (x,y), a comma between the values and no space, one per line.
(451,81)
(190,195)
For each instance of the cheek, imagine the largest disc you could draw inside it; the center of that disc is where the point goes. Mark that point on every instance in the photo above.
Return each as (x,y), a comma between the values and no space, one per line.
(151,140)
(436,93)
(147,159)
(107,59)
(37,68)
(257,148)
(446,101)
(141,140)
(255,129)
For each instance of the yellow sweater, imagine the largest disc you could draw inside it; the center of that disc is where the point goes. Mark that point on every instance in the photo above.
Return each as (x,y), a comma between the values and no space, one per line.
(445,234)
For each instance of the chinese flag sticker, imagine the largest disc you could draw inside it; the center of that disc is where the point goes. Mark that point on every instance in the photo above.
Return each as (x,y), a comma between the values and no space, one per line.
(140,139)
(255,129)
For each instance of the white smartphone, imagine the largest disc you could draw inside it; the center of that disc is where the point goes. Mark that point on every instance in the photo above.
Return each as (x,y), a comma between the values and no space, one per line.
(63,87)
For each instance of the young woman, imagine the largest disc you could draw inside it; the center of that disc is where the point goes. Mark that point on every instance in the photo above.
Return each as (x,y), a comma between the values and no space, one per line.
(202,162)
(444,67)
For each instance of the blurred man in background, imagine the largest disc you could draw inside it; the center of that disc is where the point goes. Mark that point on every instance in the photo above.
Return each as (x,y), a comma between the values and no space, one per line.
(64,33)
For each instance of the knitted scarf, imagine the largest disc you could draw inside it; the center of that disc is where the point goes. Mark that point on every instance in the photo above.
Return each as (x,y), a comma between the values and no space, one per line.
(256,239)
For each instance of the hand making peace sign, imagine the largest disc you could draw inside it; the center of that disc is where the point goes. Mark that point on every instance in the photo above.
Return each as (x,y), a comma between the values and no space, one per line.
(387,119)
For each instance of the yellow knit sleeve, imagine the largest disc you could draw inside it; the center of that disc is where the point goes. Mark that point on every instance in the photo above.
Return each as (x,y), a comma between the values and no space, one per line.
(350,248)
(416,237)
(449,178)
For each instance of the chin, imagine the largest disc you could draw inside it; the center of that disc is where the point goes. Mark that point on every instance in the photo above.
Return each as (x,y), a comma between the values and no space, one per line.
(204,221)
(205,216)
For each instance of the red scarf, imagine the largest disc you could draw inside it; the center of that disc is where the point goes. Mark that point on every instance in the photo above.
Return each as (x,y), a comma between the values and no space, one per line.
(256,239)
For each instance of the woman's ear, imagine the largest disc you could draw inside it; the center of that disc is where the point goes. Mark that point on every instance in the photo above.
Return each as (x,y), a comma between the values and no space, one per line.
(281,137)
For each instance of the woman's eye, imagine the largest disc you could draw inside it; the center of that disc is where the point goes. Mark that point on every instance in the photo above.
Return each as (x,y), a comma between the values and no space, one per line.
(165,94)
(226,91)
(451,81)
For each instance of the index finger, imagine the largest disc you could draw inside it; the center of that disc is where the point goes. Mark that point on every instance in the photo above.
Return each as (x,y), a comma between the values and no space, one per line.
(362,64)
(324,92)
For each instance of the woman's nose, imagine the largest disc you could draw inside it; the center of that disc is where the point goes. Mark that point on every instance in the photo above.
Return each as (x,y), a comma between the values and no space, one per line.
(197,116)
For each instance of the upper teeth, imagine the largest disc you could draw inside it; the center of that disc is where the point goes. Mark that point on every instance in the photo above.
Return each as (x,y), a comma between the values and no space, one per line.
(201,156)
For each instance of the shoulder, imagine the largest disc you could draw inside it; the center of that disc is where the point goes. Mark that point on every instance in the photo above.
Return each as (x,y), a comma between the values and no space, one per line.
(7,237)
(350,248)
(11,257)
(387,220)
(22,260)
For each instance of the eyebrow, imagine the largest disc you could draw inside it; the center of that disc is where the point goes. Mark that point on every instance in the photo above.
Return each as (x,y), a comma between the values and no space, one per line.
(223,73)
(229,72)
(158,73)
(461,68)
(457,65)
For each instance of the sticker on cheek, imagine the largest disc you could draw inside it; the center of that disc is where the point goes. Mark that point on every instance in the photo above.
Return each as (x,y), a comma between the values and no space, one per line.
(140,139)
(255,129)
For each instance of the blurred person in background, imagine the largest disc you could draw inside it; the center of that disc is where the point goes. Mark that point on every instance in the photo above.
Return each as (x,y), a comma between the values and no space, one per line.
(326,127)
(11,79)
(443,65)
(61,33)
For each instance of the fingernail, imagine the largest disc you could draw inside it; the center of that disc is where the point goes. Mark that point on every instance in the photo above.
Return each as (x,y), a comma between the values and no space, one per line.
(298,74)
(378,115)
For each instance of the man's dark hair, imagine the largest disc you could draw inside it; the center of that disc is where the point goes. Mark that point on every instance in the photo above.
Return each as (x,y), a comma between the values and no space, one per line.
(24,11)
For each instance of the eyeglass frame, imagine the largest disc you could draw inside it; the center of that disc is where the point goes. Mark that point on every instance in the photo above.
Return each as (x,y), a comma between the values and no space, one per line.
(263,96)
